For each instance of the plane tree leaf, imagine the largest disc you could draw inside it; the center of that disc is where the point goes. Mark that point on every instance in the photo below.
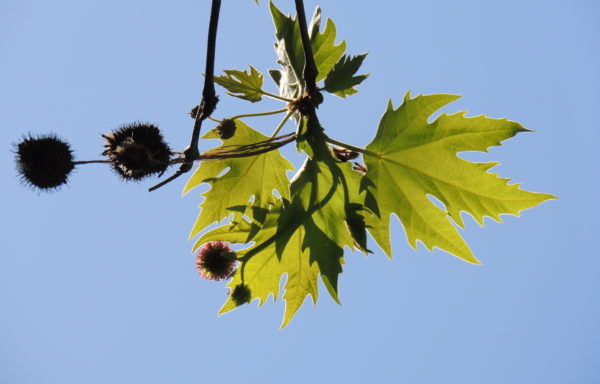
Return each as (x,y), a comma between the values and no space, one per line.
(246,85)
(410,158)
(291,55)
(239,181)
(342,80)
(297,231)
(302,241)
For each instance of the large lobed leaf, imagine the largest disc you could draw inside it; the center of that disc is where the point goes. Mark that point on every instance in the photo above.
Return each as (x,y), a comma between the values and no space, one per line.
(410,158)
(235,181)
(303,240)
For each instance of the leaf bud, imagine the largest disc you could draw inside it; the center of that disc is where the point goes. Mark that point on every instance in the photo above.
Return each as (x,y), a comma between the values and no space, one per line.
(194,112)
(226,129)
(360,168)
(343,154)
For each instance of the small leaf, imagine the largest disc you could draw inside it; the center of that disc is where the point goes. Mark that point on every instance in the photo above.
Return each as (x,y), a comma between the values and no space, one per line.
(242,84)
(275,75)
(410,158)
(235,181)
(341,80)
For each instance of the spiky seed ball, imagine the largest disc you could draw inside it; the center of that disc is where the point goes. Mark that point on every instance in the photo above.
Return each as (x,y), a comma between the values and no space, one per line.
(44,162)
(226,129)
(343,154)
(215,260)
(137,150)
(241,294)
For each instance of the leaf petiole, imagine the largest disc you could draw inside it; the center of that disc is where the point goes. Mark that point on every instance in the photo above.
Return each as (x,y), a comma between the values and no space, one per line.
(276,97)
(259,114)
(282,123)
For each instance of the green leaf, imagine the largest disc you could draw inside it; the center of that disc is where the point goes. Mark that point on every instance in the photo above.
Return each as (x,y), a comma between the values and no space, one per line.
(275,75)
(242,84)
(235,181)
(341,80)
(325,52)
(410,158)
(291,55)
(303,240)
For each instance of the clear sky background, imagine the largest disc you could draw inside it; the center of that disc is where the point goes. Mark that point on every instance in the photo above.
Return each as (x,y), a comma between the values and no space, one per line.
(97,281)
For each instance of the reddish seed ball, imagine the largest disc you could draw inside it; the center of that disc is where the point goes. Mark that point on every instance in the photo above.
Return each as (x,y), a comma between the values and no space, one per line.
(215,260)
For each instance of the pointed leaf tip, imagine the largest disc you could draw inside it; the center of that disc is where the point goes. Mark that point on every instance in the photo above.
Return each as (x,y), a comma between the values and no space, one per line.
(416,158)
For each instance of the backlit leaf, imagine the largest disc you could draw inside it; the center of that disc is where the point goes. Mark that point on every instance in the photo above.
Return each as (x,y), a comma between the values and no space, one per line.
(235,181)
(303,240)
(410,158)
(291,55)
(242,84)
(341,80)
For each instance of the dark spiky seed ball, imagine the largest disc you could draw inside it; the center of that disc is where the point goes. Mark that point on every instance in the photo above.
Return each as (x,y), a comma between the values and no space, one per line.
(215,260)
(44,162)
(137,150)
(241,294)
(226,129)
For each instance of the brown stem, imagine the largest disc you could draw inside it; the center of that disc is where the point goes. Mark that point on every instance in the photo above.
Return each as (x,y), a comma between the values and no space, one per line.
(92,162)
(310,71)
(314,133)
(232,152)
(249,150)
(209,97)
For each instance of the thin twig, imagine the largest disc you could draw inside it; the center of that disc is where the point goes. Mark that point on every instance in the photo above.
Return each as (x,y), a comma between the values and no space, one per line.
(165,181)
(276,97)
(209,98)
(92,162)
(241,151)
(258,114)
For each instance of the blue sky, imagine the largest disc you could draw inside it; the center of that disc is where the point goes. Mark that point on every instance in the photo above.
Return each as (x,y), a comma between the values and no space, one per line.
(97,281)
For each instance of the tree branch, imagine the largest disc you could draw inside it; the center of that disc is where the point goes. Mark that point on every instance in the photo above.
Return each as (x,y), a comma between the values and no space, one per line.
(209,97)
(310,72)
(314,131)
